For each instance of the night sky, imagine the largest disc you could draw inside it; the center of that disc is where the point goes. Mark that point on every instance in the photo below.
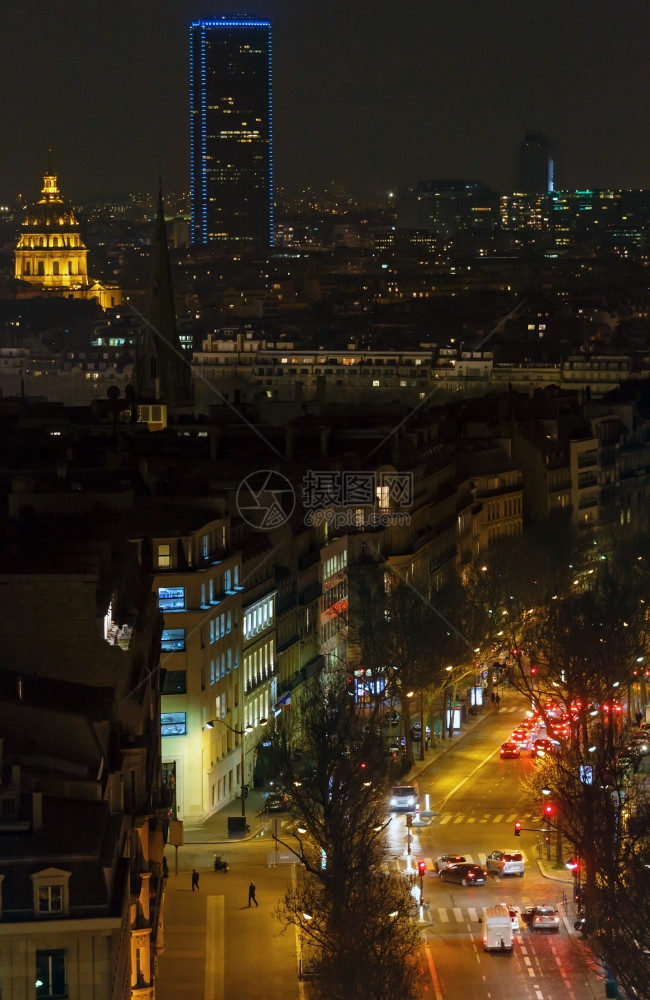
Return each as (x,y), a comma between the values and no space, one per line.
(373,95)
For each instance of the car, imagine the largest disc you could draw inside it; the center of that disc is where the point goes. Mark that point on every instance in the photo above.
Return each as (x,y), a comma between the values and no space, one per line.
(449,859)
(276,802)
(542,918)
(639,743)
(404,797)
(514,915)
(543,746)
(464,874)
(505,863)
(509,750)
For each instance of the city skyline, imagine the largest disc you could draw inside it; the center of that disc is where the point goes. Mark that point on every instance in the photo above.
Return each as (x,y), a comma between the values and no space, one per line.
(372,103)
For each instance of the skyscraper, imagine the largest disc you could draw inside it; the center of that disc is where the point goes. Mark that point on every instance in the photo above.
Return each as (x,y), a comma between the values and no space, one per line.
(231,149)
(536,165)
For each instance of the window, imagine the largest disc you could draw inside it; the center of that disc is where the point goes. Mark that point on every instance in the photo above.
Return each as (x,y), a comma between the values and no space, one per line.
(174,682)
(227,581)
(50,973)
(173,724)
(173,640)
(205,546)
(164,556)
(50,898)
(171,598)
(50,892)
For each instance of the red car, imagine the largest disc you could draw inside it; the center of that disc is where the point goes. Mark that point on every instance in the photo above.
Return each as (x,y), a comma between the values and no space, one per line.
(509,750)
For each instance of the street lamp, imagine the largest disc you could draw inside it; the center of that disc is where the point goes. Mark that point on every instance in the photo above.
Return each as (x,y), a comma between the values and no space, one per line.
(242,742)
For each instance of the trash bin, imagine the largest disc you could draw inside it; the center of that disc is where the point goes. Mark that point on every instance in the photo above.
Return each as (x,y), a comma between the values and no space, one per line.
(611,989)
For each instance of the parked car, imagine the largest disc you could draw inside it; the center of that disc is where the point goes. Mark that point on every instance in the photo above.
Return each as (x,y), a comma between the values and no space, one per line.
(276,802)
(449,859)
(505,863)
(639,743)
(542,918)
(509,750)
(464,874)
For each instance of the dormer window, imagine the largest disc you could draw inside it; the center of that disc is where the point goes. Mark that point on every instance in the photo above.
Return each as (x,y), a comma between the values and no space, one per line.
(51,898)
(164,556)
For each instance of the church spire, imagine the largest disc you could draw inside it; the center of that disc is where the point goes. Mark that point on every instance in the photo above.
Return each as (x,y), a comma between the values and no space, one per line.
(163,370)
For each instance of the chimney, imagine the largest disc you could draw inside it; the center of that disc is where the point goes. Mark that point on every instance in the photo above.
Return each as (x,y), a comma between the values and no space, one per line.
(37,810)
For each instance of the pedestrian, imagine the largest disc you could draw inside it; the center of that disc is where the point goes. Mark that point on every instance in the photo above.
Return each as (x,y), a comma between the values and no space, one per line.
(497,701)
(165,867)
(195,880)
(639,718)
(251,894)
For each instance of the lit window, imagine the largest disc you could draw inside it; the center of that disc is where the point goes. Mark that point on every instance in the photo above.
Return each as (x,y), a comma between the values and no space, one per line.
(171,598)
(173,724)
(172,640)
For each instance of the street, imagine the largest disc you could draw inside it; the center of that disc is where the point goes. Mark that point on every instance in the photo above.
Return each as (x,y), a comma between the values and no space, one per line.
(217,948)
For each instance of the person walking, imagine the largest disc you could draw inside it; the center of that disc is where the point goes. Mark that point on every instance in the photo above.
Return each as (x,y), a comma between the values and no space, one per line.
(497,701)
(195,880)
(251,894)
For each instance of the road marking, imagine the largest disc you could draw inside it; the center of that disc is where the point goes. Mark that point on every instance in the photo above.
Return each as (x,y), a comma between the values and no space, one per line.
(213,988)
(473,915)
(432,972)
(443,916)
(458,914)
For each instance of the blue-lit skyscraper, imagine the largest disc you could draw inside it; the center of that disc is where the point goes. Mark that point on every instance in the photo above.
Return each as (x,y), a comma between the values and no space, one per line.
(231,133)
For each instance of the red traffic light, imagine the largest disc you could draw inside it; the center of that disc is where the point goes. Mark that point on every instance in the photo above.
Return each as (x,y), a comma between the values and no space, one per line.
(573,864)
(548,808)
(517,828)
(422,867)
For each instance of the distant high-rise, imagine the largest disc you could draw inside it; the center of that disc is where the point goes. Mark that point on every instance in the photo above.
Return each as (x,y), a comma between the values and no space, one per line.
(536,165)
(231,149)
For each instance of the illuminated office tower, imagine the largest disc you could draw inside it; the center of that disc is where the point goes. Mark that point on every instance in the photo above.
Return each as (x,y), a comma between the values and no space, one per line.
(536,165)
(231,148)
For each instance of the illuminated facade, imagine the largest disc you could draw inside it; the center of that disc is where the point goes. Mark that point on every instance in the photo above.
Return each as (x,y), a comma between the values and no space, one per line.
(231,152)
(50,254)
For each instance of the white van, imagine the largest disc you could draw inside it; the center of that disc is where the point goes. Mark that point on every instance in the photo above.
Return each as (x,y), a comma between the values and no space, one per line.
(497,928)
(405,798)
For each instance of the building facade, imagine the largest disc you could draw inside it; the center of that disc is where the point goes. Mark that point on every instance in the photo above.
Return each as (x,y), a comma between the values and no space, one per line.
(231,155)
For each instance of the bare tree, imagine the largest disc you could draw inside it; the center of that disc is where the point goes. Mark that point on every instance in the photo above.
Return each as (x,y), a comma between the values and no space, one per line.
(352,912)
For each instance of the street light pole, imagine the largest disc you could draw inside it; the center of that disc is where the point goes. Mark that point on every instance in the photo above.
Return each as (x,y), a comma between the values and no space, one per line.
(242,743)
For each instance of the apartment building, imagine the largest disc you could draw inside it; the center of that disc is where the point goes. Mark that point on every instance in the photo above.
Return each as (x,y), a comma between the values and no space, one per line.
(185,544)
(83,814)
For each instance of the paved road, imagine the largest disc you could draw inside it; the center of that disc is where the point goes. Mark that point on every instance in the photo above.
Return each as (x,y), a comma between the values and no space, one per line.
(216,946)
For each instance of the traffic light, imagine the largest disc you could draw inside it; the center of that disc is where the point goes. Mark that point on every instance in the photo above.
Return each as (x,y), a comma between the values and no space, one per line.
(422,867)
(517,828)
(548,810)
